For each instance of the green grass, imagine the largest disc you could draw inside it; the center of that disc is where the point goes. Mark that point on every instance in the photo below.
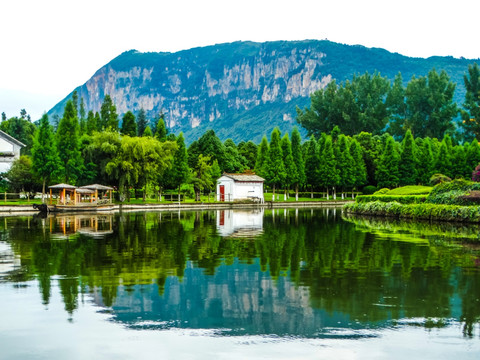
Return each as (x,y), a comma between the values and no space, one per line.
(411,190)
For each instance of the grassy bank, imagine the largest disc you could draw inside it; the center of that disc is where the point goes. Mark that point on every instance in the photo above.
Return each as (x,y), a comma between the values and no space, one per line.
(452,201)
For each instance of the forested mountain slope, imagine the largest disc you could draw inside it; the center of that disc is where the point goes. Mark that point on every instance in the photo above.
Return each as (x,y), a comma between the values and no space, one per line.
(243,90)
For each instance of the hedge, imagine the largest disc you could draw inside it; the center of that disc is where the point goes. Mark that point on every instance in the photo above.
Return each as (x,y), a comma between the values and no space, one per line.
(416,211)
(402,199)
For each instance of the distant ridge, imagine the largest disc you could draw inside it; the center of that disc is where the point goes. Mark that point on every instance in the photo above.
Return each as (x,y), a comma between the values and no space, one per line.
(243,89)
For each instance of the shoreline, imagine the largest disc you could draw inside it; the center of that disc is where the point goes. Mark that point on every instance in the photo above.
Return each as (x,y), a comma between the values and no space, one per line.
(27,209)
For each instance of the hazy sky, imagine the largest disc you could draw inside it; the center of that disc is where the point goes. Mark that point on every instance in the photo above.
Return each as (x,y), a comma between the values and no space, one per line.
(49,47)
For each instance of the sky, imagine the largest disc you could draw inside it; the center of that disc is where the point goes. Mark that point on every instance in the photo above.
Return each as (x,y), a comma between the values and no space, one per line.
(49,47)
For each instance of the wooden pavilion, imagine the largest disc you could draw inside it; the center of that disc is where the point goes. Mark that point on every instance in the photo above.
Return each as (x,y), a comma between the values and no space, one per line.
(89,197)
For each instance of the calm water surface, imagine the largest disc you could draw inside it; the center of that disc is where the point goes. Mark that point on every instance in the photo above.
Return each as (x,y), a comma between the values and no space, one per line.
(282,284)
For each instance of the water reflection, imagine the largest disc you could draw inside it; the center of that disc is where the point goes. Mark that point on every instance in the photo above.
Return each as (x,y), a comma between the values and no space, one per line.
(300,272)
(240,223)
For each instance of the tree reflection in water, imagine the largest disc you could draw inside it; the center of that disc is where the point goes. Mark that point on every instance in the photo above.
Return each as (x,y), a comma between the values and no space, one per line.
(285,272)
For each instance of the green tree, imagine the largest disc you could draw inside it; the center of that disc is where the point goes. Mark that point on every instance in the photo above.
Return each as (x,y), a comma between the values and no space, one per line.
(424,160)
(471,114)
(68,145)
(371,146)
(45,159)
(396,107)
(129,126)
(274,168)
(408,165)
(233,161)
(359,173)
(180,169)
(387,174)
(261,157)
(344,164)
(108,114)
(297,155)
(201,177)
(328,170)
(142,122)
(430,106)
(103,149)
(161,130)
(249,151)
(443,161)
(91,123)
(472,157)
(357,105)
(148,132)
(21,176)
(22,129)
(312,164)
(289,164)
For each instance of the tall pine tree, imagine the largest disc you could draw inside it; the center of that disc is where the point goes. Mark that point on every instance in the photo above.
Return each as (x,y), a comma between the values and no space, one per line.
(408,166)
(297,156)
(68,144)
(274,168)
(387,174)
(45,159)
(289,164)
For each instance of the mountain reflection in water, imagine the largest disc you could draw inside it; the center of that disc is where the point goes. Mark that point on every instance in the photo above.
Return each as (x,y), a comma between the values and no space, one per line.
(283,272)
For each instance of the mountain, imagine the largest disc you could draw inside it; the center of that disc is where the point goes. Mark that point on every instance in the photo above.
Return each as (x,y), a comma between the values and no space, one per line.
(243,89)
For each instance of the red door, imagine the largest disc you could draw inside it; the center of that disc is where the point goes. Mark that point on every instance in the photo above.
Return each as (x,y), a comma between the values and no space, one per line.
(222,192)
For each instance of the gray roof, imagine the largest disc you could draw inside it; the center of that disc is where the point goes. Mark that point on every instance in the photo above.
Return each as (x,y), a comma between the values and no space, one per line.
(11,139)
(62,186)
(96,187)
(245,177)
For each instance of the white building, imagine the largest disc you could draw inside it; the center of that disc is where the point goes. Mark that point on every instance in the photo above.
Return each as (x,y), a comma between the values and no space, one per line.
(232,187)
(9,151)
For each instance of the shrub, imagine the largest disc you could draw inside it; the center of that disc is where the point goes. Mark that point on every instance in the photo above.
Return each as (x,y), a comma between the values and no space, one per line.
(402,199)
(417,211)
(382,191)
(439,178)
(369,190)
(476,174)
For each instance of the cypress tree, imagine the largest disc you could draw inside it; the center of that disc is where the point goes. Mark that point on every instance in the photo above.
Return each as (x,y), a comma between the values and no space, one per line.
(359,168)
(274,167)
(161,130)
(328,172)
(443,162)
(424,160)
(458,161)
(312,164)
(141,122)
(297,156)
(68,144)
(45,158)
(289,164)
(387,174)
(129,126)
(344,164)
(261,157)
(148,132)
(407,167)
(108,114)
(180,169)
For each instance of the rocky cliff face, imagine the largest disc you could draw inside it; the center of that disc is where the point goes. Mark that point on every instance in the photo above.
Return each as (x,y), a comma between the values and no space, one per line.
(241,90)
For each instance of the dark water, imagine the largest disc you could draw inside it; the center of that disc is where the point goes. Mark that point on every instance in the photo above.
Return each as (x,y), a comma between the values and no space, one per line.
(283,284)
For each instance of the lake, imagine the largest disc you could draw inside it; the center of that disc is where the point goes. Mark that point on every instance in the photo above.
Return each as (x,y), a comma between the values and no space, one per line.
(237,284)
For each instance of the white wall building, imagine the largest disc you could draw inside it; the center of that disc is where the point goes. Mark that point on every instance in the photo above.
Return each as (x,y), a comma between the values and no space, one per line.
(231,187)
(9,151)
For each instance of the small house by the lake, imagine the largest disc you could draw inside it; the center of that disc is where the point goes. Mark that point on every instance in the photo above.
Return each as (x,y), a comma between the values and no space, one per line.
(234,187)
(9,151)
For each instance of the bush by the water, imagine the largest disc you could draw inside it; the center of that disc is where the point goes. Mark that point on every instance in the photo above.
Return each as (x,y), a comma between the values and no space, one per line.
(417,211)
(455,192)
(402,199)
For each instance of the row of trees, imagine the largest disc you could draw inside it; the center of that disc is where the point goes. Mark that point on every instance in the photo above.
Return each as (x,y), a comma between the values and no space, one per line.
(371,103)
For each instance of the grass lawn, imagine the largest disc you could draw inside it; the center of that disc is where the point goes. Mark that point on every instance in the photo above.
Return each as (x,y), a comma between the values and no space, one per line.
(411,190)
